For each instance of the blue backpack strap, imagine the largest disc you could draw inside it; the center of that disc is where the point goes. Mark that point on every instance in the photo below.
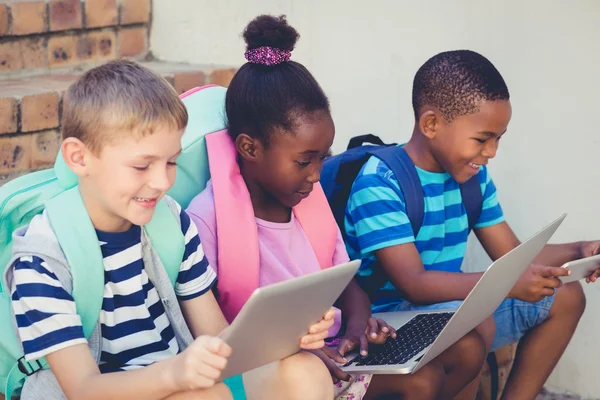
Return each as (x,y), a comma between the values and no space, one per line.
(398,161)
(472,199)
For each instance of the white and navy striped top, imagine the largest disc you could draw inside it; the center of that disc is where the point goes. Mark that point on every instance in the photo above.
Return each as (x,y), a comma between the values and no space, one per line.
(135,329)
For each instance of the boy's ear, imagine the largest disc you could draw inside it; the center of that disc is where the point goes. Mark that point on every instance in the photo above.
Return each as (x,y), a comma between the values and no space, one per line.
(249,148)
(429,123)
(74,152)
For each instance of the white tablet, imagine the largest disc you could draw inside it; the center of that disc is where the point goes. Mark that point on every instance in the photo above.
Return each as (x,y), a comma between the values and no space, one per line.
(271,323)
(581,269)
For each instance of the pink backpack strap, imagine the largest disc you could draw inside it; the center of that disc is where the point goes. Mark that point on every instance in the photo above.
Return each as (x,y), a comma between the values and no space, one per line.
(237,235)
(316,218)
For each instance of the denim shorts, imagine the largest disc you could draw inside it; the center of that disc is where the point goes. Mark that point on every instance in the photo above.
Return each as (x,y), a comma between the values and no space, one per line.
(513,317)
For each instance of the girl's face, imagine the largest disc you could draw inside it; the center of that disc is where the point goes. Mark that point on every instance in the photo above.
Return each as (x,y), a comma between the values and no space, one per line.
(287,169)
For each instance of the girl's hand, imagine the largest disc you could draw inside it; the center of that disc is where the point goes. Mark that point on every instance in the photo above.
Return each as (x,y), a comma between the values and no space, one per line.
(315,339)
(375,331)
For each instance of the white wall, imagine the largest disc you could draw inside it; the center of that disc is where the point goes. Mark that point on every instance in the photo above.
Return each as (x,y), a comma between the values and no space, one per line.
(365,54)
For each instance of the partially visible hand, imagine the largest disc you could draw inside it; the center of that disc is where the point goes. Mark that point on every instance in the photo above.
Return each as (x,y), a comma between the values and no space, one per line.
(537,282)
(376,331)
(328,356)
(200,365)
(589,249)
(315,339)
(593,277)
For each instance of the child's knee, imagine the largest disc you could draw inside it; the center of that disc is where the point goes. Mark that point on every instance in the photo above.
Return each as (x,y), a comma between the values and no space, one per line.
(466,356)
(473,348)
(569,301)
(305,376)
(427,383)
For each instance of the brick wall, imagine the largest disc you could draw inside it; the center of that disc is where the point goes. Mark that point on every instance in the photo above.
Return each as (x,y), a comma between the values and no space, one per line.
(45,45)
(30,112)
(45,35)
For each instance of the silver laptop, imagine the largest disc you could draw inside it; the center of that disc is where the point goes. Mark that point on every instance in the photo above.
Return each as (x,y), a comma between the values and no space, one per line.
(423,335)
(271,323)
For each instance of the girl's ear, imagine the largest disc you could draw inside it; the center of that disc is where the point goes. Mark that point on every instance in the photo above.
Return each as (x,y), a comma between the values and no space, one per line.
(249,148)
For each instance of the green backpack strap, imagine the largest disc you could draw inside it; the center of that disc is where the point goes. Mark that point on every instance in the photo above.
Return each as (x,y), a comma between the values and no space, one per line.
(167,239)
(79,242)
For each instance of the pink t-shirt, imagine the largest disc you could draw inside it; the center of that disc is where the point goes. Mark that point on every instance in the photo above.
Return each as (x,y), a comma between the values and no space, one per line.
(284,249)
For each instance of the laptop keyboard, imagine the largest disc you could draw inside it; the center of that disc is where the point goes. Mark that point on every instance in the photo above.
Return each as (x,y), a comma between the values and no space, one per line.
(413,337)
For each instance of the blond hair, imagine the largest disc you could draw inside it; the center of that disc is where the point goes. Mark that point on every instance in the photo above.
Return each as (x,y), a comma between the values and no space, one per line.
(120,96)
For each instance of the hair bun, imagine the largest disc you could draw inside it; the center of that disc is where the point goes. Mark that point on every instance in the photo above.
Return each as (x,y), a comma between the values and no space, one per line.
(267,30)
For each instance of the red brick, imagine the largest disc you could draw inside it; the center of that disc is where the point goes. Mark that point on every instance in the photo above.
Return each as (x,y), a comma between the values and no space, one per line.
(34,54)
(100,13)
(10,59)
(8,115)
(15,154)
(222,77)
(186,80)
(62,51)
(133,42)
(97,46)
(28,17)
(44,148)
(134,11)
(39,111)
(65,14)
(3,19)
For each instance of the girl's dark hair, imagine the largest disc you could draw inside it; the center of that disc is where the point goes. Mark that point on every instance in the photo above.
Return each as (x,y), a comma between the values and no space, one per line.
(263,98)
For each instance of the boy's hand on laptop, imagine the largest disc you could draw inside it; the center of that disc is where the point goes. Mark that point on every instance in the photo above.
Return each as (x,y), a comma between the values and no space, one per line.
(200,365)
(375,331)
(537,282)
(330,357)
(315,339)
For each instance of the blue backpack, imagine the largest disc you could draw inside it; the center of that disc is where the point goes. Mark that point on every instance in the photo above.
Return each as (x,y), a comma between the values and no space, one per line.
(340,171)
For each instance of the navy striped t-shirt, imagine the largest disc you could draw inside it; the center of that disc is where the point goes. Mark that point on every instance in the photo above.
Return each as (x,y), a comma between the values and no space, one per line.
(376,219)
(135,329)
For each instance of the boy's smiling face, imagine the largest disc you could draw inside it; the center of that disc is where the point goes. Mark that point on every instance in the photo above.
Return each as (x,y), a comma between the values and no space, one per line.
(469,141)
(122,185)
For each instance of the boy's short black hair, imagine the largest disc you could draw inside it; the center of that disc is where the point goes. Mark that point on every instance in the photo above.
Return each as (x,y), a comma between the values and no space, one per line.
(456,82)
(263,98)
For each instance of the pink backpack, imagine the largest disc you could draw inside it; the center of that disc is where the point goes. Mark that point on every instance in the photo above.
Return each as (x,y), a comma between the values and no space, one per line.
(239,259)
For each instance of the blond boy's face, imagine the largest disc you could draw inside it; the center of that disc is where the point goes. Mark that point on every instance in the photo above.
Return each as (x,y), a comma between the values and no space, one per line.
(122,185)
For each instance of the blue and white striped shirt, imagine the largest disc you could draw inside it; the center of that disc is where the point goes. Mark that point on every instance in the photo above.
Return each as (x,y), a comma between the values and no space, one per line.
(376,219)
(135,329)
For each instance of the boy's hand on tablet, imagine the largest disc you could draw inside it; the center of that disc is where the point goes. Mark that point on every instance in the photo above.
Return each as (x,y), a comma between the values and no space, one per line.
(315,339)
(537,282)
(200,365)
(593,277)
(589,249)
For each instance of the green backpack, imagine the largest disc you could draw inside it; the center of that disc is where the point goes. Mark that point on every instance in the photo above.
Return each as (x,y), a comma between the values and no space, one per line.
(56,191)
